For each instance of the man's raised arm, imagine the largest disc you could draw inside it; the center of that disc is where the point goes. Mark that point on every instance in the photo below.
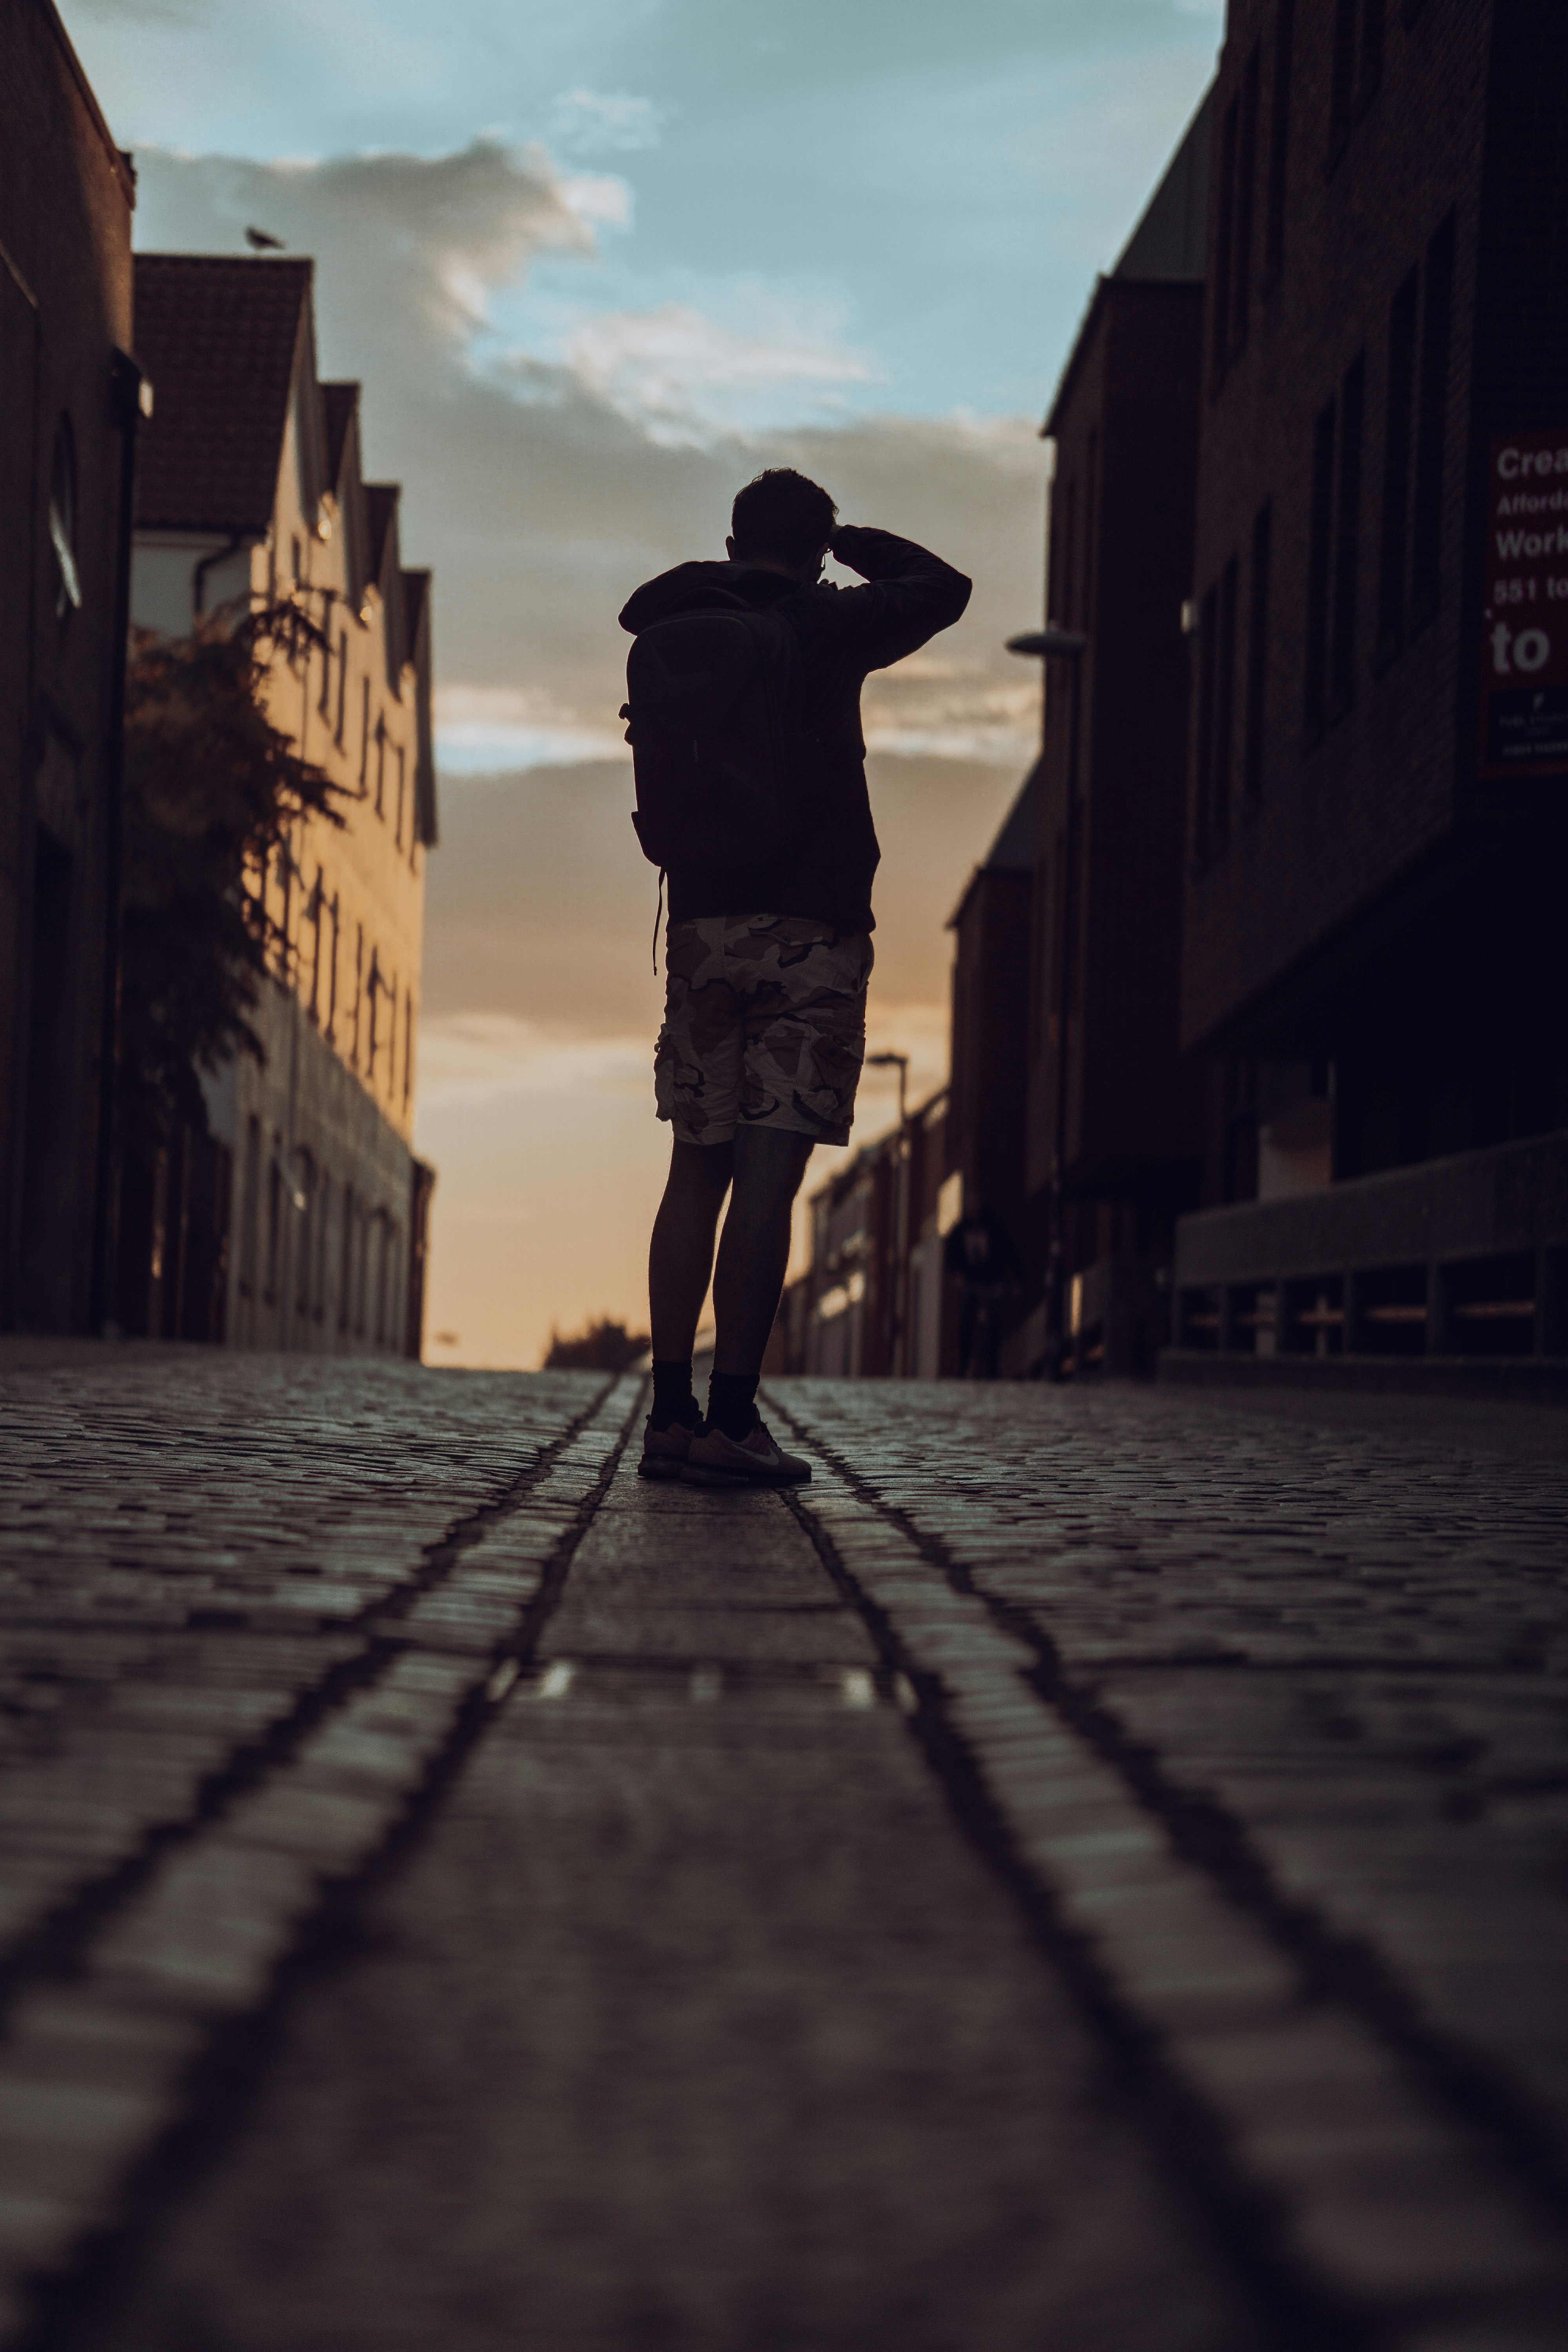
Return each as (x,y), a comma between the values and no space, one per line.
(908,596)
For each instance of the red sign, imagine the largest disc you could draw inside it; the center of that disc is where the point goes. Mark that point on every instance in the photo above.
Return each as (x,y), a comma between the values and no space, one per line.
(1524,608)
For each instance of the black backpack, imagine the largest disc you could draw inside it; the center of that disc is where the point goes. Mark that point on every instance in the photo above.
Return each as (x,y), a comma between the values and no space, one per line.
(713,702)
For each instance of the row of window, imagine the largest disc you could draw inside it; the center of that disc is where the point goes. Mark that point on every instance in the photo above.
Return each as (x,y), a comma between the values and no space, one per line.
(1233,613)
(1252,156)
(382,765)
(339,1258)
(378,1029)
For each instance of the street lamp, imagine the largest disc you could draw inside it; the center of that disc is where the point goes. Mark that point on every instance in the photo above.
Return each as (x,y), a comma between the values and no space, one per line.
(1068,644)
(891,1061)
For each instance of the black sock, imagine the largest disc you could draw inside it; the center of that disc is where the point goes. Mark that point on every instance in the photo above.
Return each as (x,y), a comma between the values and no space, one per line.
(673,1397)
(730,1402)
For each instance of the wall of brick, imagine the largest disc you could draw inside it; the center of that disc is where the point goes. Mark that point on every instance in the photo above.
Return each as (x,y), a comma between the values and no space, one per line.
(1352,814)
(66,197)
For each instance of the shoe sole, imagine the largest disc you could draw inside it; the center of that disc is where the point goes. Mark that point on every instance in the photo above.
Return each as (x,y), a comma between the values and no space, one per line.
(659,1465)
(693,1473)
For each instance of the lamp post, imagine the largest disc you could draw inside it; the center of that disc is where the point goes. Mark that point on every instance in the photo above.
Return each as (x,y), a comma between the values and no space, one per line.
(1052,643)
(891,1061)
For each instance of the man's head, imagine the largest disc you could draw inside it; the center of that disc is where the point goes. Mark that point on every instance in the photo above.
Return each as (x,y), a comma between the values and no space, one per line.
(782,521)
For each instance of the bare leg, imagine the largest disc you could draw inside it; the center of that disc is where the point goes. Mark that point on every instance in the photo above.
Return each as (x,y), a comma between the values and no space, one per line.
(680,1256)
(753,1255)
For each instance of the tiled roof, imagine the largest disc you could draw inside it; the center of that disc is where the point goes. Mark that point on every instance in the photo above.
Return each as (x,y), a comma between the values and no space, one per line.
(217,338)
(339,401)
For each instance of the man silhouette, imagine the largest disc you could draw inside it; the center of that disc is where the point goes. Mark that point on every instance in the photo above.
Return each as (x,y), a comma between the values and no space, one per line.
(767,961)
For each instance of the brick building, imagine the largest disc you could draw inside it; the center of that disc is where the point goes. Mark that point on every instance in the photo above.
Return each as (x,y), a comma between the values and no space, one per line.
(1374,969)
(299,1223)
(987,1107)
(68,411)
(1089,1159)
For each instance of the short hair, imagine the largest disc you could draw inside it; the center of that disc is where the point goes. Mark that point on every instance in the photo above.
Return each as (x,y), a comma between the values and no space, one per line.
(782,514)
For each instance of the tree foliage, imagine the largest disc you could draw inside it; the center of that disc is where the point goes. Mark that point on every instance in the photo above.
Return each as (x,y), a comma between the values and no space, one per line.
(212,789)
(601,1347)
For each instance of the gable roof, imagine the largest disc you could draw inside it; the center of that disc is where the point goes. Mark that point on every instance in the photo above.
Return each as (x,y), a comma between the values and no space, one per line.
(340,405)
(218,338)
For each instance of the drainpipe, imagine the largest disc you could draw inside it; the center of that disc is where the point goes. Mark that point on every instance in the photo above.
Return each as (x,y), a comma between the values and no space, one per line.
(132,395)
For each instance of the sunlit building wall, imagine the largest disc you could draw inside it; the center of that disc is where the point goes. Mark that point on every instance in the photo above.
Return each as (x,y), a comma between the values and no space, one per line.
(302,1224)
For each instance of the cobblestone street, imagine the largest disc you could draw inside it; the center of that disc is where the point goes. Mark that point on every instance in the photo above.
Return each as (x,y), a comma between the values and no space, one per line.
(1089,1872)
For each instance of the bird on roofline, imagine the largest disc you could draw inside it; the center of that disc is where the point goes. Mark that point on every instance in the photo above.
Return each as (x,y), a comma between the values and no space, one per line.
(260,241)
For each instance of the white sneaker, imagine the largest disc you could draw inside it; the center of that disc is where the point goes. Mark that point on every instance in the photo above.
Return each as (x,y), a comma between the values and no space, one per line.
(714,1460)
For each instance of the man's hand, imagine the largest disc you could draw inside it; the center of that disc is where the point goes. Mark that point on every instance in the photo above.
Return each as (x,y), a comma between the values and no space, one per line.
(845,539)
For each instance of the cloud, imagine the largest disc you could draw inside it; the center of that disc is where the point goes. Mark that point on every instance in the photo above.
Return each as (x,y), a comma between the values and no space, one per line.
(596,121)
(485,730)
(686,377)
(536,485)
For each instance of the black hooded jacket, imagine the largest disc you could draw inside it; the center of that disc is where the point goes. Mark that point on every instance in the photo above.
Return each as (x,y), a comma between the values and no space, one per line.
(844,633)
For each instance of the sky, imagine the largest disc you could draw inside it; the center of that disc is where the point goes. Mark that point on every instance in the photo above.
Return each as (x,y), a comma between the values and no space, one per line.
(596,262)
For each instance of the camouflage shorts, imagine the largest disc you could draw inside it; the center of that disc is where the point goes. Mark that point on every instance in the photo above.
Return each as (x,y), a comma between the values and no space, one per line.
(764,1023)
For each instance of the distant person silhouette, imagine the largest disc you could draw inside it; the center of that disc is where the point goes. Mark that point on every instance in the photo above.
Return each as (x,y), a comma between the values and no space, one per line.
(744,703)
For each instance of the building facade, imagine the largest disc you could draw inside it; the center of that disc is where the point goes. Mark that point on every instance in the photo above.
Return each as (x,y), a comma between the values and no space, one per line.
(70,406)
(301,1221)
(1373,965)
(875,1300)
(1074,1117)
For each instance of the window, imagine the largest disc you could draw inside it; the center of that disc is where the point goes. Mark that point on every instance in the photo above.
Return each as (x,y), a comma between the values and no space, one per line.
(332,975)
(305,1245)
(314,913)
(1398,441)
(1357,66)
(342,687)
(359,989)
(375,993)
(1224,697)
(1245,189)
(1224,241)
(361,1258)
(365,738)
(1208,654)
(383,1267)
(1372,28)
(62,522)
(286,925)
(1347,541)
(297,562)
(1432,416)
(325,704)
(1256,658)
(1279,142)
(1090,503)
(248,1205)
(274,1224)
(401,786)
(324,1229)
(408,1047)
(1319,548)
(346,1259)
(380,766)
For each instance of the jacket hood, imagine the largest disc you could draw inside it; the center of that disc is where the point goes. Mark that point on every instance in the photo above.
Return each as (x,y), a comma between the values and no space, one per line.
(703,588)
